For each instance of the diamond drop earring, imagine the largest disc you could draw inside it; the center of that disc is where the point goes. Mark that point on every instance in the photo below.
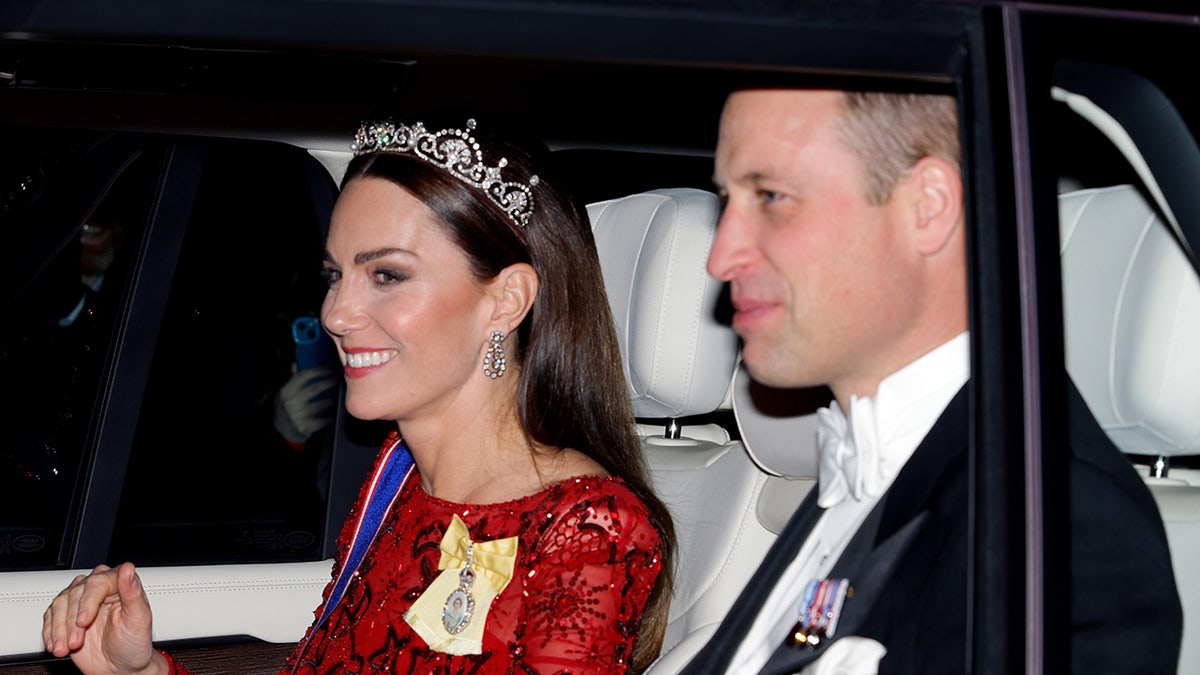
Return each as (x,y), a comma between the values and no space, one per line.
(494,361)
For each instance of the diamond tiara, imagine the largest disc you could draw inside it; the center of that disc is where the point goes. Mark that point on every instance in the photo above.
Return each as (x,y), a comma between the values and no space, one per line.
(457,152)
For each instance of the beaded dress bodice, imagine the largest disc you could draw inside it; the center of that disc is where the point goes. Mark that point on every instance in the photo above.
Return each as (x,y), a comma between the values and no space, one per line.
(587,559)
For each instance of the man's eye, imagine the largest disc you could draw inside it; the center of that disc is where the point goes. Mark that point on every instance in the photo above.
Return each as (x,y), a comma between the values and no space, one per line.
(768,196)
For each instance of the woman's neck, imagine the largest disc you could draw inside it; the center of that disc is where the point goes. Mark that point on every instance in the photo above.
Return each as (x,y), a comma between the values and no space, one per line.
(483,458)
(493,468)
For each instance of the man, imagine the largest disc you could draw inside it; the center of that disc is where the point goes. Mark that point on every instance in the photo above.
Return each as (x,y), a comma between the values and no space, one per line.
(843,241)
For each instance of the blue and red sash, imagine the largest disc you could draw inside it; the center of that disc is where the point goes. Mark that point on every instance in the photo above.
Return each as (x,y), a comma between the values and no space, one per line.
(383,490)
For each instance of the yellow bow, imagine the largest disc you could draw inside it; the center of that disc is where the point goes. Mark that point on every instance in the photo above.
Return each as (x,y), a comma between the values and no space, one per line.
(494,559)
(491,561)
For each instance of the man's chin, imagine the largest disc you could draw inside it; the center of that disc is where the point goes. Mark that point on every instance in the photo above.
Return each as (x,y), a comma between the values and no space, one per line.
(765,370)
(772,370)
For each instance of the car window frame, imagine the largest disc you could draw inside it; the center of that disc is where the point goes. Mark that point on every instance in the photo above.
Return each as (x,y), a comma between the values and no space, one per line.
(117,414)
(1047,38)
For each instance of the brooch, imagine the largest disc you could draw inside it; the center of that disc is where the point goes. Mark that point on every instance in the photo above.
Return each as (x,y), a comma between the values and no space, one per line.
(451,613)
(460,606)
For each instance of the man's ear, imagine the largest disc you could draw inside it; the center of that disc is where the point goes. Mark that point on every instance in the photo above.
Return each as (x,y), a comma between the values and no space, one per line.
(935,189)
(514,291)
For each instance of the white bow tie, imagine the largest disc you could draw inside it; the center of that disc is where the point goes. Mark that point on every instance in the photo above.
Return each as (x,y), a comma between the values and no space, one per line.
(850,453)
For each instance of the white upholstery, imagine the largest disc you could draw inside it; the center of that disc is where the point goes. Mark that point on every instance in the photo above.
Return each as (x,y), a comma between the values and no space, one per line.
(679,360)
(653,249)
(1132,312)
(776,425)
(271,602)
(1131,303)
(720,540)
(779,429)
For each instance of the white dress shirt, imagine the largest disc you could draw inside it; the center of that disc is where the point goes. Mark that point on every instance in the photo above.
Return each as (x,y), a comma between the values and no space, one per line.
(905,407)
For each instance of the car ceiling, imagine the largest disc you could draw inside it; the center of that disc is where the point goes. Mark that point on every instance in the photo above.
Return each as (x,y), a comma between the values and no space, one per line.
(649,77)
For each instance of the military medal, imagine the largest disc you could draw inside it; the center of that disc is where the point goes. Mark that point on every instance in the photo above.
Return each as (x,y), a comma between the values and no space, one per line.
(460,605)
(819,612)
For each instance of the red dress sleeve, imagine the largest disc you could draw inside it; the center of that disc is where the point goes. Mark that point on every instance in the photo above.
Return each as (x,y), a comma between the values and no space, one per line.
(595,568)
(174,668)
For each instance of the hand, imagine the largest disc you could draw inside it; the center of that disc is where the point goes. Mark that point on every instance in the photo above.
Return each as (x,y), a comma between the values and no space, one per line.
(103,621)
(300,410)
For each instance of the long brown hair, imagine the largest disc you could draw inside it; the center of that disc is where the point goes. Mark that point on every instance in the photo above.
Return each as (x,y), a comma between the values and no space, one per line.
(572,391)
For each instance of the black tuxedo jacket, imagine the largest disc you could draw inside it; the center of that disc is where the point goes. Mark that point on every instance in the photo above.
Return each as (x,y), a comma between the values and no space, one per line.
(908,565)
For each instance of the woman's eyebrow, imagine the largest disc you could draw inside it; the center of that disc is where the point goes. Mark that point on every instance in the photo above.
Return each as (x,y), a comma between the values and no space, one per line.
(373,255)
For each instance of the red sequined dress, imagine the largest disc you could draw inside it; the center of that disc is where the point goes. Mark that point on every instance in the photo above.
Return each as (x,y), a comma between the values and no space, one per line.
(587,558)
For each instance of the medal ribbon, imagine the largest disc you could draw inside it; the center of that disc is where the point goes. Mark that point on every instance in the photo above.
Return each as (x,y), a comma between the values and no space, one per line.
(820,609)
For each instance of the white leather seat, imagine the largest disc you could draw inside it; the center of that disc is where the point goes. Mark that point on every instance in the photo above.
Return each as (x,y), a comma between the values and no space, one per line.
(653,249)
(1132,334)
(778,428)
(679,360)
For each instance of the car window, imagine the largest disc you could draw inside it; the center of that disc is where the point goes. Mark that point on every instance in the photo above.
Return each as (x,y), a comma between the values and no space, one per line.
(210,479)
(75,206)
(1114,134)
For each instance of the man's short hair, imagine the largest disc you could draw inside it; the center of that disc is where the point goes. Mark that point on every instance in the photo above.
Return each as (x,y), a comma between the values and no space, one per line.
(890,132)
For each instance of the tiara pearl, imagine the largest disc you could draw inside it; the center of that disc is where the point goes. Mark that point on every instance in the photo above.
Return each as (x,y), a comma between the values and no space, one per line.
(455,151)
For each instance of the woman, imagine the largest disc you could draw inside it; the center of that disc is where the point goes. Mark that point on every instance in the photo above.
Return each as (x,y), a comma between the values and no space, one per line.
(508,525)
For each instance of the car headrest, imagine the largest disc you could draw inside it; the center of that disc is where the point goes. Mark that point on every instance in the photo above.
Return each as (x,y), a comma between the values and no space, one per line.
(778,426)
(653,248)
(1132,321)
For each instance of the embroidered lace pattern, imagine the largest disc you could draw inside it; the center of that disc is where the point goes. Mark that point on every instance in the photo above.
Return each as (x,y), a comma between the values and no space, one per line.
(587,559)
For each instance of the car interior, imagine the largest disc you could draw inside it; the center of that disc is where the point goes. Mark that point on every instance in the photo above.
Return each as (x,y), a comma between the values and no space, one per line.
(708,430)
(731,458)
